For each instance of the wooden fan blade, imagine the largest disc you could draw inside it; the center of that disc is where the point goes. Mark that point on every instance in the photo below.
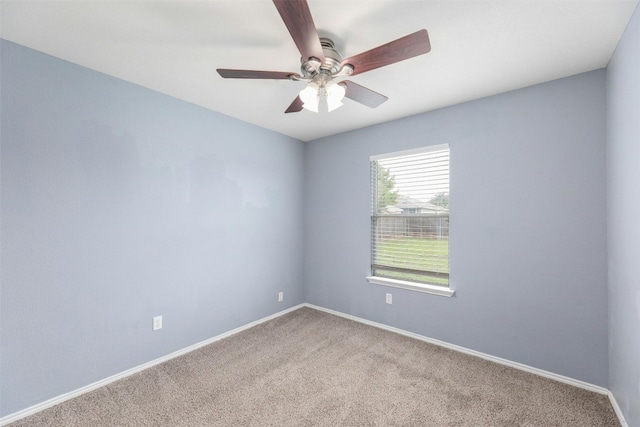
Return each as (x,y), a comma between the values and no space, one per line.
(297,17)
(295,106)
(362,95)
(398,50)
(253,74)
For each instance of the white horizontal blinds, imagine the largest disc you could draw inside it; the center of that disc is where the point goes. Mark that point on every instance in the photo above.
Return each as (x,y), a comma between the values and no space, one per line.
(410,216)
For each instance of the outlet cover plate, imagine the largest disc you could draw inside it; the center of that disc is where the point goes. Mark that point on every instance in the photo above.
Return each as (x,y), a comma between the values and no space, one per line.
(157,323)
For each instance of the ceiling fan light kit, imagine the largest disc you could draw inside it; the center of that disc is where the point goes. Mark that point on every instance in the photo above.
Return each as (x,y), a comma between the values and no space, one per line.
(321,63)
(321,90)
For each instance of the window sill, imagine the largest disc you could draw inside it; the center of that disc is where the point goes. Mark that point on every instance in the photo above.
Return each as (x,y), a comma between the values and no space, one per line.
(412,286)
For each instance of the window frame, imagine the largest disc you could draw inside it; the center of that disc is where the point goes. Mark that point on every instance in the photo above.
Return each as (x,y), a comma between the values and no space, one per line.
(445,291)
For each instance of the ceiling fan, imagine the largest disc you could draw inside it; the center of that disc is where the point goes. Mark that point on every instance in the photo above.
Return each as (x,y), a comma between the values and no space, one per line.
(322,64)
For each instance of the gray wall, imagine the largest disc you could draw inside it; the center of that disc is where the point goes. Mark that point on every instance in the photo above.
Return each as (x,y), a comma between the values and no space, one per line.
(528,218)
(623,221)
(120,204)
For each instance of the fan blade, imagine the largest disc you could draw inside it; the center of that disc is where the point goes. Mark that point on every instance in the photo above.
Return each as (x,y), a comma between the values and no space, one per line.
(295,106)
(253,74)
(297,17)
(398,50)
(362,95)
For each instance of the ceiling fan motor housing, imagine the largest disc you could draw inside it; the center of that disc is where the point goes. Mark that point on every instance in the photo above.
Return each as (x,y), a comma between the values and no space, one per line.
(313,68)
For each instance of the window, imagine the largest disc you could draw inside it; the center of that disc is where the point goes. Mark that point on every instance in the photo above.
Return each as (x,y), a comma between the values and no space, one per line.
(410,220)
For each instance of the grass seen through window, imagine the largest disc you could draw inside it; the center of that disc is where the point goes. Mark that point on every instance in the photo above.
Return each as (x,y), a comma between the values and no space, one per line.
(427,254)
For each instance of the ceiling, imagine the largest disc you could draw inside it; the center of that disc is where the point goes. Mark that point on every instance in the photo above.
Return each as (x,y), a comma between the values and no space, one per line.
(478,48)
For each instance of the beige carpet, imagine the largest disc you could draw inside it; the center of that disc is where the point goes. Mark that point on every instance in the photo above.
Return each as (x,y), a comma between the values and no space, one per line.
(310,368)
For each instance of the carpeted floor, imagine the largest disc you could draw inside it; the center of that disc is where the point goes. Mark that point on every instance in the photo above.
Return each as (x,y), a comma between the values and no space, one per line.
(310,368)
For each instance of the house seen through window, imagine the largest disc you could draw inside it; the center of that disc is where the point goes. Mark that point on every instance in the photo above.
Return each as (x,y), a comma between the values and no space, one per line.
(410,216)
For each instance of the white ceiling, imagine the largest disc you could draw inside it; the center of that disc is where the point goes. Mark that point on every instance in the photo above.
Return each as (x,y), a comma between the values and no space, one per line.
(479,48)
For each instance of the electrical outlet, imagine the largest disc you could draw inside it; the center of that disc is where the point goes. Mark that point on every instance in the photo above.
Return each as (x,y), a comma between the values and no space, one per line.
(280,296)
(157,323)
(389,299)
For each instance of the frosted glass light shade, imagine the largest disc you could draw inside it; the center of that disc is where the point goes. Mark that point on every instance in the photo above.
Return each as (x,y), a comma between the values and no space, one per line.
(335,94)
(310,97)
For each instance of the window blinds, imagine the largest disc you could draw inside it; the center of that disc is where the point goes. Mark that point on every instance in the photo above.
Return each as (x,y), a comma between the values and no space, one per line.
(410,216)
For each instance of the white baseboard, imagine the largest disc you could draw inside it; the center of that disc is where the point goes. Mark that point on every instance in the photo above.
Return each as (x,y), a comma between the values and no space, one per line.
(82,390)
(616,407)
(75,393)
(516,365)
